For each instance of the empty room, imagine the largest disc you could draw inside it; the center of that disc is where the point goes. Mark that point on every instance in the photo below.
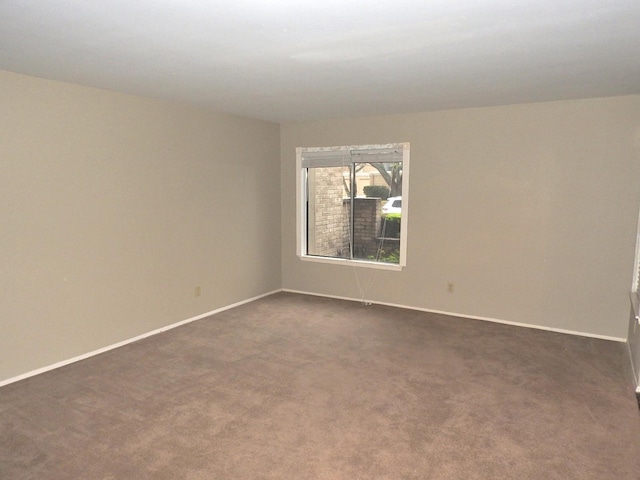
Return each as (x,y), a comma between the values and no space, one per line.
(343,240)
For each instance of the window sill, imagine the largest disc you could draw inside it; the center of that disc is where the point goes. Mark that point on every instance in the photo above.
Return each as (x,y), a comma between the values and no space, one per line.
(352,263)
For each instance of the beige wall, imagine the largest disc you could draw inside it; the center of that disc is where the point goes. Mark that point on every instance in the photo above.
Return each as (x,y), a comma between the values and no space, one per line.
(530,210)
(113,208)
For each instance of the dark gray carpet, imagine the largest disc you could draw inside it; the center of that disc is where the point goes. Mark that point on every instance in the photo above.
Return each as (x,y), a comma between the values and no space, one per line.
(298,387)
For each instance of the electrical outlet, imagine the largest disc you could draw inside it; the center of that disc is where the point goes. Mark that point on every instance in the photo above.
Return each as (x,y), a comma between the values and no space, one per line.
(450,287)
(197,291)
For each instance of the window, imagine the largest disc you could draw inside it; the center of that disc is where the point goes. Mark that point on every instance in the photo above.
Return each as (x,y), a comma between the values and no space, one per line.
(635,287)
(353,204)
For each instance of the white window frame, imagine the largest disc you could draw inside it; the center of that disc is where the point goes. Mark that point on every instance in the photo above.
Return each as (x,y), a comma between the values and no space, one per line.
(635,285)
(301,194)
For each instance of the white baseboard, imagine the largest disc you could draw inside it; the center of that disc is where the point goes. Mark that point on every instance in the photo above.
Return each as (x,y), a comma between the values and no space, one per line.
(130,340)
(635,375)
(471,317)
(237,304)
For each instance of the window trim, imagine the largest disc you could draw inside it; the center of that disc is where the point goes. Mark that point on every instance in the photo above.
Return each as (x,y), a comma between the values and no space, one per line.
(634,294)
(301,230)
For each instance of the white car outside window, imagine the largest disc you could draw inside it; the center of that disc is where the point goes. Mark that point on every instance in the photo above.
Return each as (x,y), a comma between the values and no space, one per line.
(393,205)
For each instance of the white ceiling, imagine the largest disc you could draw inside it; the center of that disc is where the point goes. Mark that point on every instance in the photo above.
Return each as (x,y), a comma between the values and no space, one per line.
(288,60)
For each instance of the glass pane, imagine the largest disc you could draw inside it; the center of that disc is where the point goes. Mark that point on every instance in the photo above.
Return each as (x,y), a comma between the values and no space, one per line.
(377,212)
(328,211)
